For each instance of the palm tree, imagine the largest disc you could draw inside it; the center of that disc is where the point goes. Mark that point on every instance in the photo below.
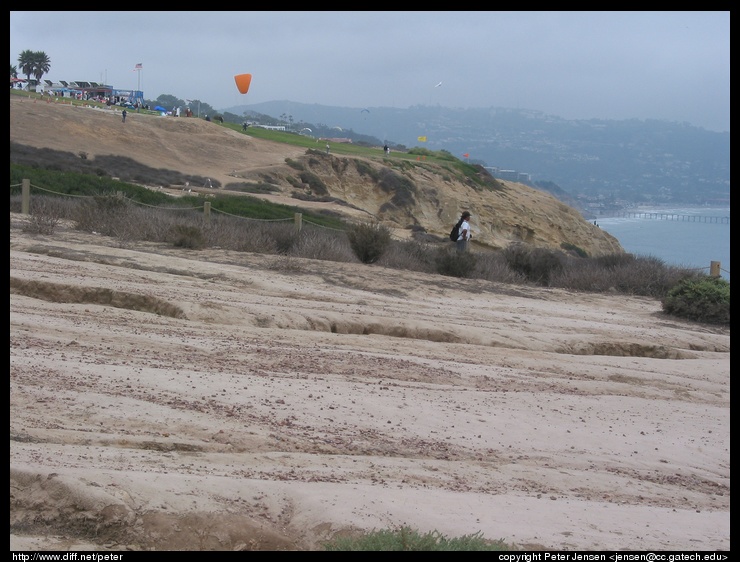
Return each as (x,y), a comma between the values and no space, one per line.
(34,63)
(26,62)
(41,64)
(13,71)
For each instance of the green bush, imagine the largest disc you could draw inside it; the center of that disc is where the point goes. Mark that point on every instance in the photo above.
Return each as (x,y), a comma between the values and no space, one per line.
(702,300)
(407,539)
(369,241)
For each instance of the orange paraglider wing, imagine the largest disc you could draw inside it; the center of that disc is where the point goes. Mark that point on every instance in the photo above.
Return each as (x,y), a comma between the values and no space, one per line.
(242,82)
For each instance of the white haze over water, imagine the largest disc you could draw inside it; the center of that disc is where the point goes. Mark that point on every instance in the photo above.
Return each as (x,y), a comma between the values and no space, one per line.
(677,242)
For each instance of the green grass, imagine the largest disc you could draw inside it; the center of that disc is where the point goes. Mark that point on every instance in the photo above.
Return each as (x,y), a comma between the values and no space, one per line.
(86,185)
(407,539)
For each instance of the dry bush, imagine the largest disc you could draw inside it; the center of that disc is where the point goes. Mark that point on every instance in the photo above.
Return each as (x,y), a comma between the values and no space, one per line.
(106,215)
(322,244)
(409,255)
(453,263)
(46,212)
(622,273)
(154,225)
(256,236)
(224,232)
(538,265)
(127,222)
(647,276)
(369,241)
(492,266)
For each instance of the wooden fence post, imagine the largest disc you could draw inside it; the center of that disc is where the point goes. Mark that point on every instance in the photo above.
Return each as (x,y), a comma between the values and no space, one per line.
(207,211)
(298,221)
(25,196)
(714,268)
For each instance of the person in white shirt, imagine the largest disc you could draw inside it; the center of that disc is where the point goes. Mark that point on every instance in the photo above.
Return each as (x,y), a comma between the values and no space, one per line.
(465,234)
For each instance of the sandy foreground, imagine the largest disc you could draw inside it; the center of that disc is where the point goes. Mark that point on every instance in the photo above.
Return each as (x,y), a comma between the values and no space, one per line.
(163,398)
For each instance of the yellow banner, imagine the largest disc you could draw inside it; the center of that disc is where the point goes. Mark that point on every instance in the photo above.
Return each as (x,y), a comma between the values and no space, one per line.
(421,139)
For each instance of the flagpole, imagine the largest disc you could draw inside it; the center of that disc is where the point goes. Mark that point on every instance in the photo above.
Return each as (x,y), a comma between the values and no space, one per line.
(138,95)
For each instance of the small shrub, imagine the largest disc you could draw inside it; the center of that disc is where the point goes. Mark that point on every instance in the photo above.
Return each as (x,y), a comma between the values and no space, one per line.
(295,165)
(294,182)
(320,244)
(451,262)
(365,169)
(256,236)
(109,215)
(285,235)
(701,300)
(369,241)
(648,276)
(611,261)
(409,255)
(317,186)
(45,216)
(492,266)
(401,187)
(578,251)
(538,265)
(188,237)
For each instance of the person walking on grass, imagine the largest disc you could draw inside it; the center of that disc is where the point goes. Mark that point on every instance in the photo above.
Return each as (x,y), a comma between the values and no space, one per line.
(465,233)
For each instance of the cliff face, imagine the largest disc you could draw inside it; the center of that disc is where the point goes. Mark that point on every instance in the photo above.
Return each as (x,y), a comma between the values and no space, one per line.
(409,197)
(429,197)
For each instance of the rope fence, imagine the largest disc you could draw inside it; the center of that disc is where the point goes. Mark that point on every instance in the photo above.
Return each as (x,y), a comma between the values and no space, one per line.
(715,267)
(206,207)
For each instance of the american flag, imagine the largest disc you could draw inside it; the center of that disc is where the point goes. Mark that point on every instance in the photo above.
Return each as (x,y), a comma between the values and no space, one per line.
(138,66)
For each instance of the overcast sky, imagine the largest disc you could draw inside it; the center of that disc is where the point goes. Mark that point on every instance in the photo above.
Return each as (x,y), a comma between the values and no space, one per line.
(577,65)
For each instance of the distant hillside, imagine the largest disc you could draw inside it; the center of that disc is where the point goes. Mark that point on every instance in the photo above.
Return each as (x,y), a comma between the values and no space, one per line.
(595,161)
(413,198)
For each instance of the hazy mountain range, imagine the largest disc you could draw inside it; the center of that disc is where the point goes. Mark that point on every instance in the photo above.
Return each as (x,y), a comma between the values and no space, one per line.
(619,161)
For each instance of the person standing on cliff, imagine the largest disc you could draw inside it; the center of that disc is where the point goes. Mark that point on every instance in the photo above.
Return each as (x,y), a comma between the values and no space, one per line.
(465,233)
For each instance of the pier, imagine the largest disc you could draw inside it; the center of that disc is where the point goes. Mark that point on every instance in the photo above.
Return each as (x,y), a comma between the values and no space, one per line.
(672,217)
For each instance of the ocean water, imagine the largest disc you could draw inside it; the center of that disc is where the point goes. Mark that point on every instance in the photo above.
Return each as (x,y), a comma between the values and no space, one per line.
(681,243)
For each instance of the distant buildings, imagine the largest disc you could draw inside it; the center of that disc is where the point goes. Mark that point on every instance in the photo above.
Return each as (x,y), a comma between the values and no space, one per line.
(510,175)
